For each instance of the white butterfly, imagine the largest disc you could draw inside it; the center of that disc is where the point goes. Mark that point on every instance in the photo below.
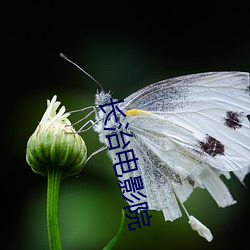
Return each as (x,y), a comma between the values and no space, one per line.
(187,131)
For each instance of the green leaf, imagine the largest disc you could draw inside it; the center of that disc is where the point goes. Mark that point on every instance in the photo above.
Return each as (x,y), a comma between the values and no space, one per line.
(110,245)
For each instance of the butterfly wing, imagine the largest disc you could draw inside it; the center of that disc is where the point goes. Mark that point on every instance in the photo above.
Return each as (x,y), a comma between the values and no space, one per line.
(187,132)
(212,106)
(169,168)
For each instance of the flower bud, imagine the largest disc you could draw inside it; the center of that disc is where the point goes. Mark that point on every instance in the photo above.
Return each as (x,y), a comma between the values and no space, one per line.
(55,144)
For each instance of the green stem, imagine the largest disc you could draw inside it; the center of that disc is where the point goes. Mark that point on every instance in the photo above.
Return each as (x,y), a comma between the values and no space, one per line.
(117,234)
(54,177)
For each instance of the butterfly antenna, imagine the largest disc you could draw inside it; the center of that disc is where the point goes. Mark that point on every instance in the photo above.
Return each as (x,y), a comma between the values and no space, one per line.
(90,76)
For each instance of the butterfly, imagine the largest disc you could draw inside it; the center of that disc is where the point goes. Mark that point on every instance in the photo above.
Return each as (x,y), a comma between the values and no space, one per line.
(185,132)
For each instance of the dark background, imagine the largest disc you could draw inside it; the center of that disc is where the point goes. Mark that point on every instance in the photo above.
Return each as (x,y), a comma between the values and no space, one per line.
(125,46)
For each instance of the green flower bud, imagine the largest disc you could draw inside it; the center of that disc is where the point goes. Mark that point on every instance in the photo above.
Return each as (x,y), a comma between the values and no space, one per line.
(55,144)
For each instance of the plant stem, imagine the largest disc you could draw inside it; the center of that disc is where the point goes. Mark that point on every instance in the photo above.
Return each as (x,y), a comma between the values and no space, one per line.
(54,177)
(117,234)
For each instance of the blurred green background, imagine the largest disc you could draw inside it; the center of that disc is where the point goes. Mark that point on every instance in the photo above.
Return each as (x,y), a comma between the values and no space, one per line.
(125,47)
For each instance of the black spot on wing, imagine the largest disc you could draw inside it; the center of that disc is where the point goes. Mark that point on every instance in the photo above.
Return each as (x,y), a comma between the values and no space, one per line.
(190,181)
(233,119)
(212,146)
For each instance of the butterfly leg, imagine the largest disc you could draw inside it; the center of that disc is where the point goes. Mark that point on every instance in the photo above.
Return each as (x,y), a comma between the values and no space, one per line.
(86,116)
(83,127)
(92,154)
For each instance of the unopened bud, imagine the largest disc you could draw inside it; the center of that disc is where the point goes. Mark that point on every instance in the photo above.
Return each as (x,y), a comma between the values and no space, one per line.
(55,143)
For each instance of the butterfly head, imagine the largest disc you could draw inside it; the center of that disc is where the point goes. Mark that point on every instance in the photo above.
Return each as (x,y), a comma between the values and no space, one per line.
(102,98)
